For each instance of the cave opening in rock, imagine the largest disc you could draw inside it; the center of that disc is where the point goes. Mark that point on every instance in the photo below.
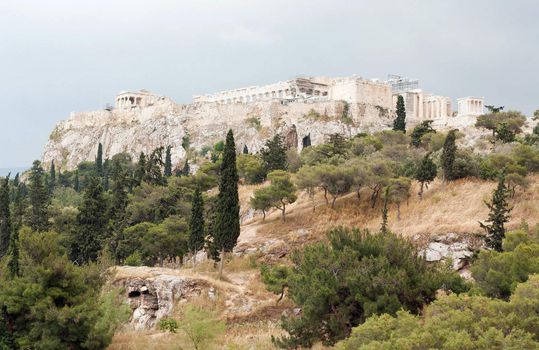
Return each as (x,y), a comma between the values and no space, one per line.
(134,294)
(306,142)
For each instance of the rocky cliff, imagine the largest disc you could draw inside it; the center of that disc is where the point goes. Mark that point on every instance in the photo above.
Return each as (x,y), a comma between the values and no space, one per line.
(168,124)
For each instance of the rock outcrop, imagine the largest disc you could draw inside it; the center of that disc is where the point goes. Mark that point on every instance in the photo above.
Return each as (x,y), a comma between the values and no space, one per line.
(143,129)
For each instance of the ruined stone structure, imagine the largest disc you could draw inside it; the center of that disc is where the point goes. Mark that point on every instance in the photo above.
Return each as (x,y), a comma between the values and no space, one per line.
(470,106)
(140,99)
(350,89)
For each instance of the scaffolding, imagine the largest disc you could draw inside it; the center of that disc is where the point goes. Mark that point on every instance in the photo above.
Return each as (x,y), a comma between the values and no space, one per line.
(400,84)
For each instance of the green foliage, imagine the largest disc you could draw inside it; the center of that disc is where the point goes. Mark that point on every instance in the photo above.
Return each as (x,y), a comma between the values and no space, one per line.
(278,194)
(52,177)
(186,142)
(227,221)
(425,172)
(499,214)
(337,181)
(275,278)
(448,156)
(274,154)
(399,124)
(168,162)
(196,224)
(505,134)
(262,200)
(38,216)
(421,130)
(134,259)
(201,326)
(357,275)
(99,160)
(457,322)
(254,122)
(168,325)
(5,217)
(504,125)
(498,273)
(91,225)
(251,168)
(54,304)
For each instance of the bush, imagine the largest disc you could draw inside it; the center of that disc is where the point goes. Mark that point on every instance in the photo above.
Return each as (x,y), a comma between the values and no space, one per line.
(498,273)
(134,259)
(357,275)
(457,322)
(168,325)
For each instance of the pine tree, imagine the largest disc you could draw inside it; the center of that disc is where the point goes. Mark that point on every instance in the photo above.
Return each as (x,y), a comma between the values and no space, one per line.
(499,214)
(52,178)
(274,154)
(168,163)
(91,224)
(227,225)
(7,341)
(38,217)
(76,183)
(185,170)
(399,124)
(448,155)
(196,225)
(425,173)
(99,160)
(384,228)
(245,149)
(5,217)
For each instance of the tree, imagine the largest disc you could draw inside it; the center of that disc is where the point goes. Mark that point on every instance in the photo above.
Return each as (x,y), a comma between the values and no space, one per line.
(99,160)
(245,149)
(504,134)
(399,191)
(499,214)
(227,225)
(168,163)
(52,177)
(91,224)
(201,326)
(262,200)
(196,225)
(308,179)
(399,124)
(419,131)
(13,262)
(493,109)
(448,155)
(140,170)
(38,217)
(341,283)
(5,217)
(383,227)
(338,181)
(493,121)
(279,193)
(251,168)
(274,154)
(425,173)
(154,164)
(76,182)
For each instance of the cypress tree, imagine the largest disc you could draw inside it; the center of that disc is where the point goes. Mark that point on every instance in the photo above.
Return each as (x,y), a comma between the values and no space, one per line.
(227,221)
(13,262)
(38,217)
(76,184)
(196,225)
(91,224)
(448,155)
(119,201)
(140,170)
(99,160)
(425,173)
(383,228)
(499,214)
(52,178)
(5,217)
(399,124)
(168,163)
(245,149)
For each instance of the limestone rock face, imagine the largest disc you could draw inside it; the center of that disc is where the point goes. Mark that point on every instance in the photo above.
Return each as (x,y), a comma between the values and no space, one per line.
(169,124)
(152,292)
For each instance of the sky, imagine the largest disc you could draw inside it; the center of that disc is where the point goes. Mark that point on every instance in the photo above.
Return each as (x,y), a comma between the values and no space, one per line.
(72,55)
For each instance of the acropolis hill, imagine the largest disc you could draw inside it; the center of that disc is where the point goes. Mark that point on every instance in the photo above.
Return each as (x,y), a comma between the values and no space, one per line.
(305,110)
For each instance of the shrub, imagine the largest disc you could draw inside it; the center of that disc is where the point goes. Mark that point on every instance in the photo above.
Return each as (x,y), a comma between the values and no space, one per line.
(357,275)
(457,322)
(168,325)
(134,259)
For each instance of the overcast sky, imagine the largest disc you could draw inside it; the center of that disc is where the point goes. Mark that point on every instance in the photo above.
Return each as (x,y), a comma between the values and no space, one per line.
(63,56)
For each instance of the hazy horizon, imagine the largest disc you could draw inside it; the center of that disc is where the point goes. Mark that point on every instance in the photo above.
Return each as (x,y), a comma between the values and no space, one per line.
(60,56)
